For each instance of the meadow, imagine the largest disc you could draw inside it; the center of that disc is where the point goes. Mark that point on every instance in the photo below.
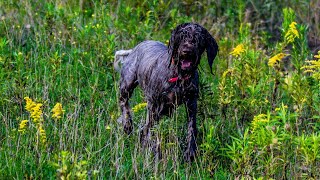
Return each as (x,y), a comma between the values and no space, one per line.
(258,115)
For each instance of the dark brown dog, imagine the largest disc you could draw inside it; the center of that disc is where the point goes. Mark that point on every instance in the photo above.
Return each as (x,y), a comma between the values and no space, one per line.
(168,77)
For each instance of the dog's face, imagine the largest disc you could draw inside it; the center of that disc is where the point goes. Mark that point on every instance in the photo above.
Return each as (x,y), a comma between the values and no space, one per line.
(187,43)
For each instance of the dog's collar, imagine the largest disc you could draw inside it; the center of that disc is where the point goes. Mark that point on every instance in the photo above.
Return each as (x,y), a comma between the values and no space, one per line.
(175,79)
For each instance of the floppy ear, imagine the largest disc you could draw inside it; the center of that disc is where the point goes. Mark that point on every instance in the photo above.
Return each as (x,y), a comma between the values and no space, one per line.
(171,46)
(212,49)
(174,42)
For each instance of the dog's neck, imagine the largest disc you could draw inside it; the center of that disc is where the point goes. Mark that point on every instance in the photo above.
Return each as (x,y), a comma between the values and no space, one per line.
(176,75)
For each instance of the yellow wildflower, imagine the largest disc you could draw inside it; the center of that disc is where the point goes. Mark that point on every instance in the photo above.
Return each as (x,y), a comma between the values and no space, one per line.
(275,59)
(29,104)
(230,70)
(113,116)
(308,70)
(22,126)
(36,113)
(238,50)
(317,56)
(34,109)
(292,32)
(313,66)
(42,133)
(138,107)
(57,111)
(258,120)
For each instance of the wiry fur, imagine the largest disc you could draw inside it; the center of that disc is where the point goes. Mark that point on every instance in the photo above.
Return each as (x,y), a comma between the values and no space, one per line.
(151,65)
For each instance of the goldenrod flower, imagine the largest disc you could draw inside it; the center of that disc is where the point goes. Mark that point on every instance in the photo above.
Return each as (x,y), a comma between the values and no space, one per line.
(292,32)
(281,108)
(317,56)
(29,104)
(313,67)
(313,64)
(258,120)
(308,70)
(42,133)
(22,126)
(57,111)
(138,107)
(230,70)
(275,59)
(36,113)
(113,116)
(238,50)
(34,109)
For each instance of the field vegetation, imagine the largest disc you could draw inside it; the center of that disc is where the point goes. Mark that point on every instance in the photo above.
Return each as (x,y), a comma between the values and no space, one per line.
(258,116)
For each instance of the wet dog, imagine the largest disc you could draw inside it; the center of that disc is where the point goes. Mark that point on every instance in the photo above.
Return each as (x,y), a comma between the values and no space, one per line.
(168,77)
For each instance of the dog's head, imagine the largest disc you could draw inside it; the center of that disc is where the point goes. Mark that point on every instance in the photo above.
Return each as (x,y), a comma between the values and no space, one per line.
(187,43)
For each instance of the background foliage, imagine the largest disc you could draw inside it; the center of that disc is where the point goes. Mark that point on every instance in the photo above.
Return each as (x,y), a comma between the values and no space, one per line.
(258,115)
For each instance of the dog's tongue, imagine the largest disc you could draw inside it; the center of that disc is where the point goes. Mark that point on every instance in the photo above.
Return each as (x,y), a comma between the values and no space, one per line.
(185,64)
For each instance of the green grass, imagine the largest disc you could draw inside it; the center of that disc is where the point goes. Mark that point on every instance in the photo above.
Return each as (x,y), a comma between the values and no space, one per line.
(254,120)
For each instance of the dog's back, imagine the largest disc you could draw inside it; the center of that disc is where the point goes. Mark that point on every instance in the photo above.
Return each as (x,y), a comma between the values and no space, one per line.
(146,50)
(145,61)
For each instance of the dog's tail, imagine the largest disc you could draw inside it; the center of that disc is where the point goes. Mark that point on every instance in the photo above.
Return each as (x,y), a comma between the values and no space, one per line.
(118,57)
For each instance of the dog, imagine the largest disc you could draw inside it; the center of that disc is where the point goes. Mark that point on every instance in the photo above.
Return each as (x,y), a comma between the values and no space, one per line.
(168,76)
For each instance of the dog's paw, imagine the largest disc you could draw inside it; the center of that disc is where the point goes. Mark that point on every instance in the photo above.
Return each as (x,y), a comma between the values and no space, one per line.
(190,155)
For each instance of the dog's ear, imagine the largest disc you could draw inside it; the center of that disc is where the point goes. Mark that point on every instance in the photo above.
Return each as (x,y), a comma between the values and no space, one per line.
(174,42)
(171,46)
(212,49)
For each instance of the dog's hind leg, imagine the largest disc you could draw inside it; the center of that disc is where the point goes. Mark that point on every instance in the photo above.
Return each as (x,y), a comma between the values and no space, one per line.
(128,82)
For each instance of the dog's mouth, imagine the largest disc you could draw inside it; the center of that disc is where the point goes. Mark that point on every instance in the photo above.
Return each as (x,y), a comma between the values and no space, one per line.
(186,64)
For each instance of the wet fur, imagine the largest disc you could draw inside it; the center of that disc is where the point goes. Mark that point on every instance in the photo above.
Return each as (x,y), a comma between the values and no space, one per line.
(151,65)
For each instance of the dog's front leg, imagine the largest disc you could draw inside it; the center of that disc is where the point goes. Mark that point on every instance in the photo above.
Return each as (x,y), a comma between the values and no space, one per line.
(146,136)
(190,153)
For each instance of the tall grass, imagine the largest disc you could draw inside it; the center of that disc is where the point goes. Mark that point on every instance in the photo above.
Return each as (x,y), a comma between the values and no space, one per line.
(258,115)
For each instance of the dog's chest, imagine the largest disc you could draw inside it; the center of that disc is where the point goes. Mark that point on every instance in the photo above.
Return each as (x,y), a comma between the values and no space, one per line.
(179,92)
